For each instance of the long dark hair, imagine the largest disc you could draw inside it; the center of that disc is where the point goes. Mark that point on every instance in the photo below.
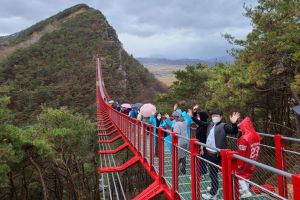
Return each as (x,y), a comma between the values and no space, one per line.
(158,120)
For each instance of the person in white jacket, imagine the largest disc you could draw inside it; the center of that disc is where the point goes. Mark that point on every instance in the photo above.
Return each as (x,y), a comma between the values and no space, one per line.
(180,129)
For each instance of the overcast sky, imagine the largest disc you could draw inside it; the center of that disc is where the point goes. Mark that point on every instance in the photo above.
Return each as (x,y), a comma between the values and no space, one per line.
(164,28)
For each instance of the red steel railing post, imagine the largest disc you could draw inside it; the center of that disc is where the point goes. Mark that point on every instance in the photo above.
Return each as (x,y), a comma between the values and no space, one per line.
(140,128)
(160,155)
(123,125)
(174,165)
(127,121)
(151,145)
(224,164)
(121,121)
(145,141)
(280,164)
(194,149)
(136,130)
(296,186)
(134,137)
(128,126)
(131,128)
(146,132)
(231,168)
(137,138)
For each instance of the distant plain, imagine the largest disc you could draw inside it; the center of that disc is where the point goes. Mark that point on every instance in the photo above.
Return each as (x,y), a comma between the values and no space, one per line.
(164,72)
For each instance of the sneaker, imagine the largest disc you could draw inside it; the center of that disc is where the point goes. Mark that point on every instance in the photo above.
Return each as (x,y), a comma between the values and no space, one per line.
(245,194)
(209,196)
(208,189)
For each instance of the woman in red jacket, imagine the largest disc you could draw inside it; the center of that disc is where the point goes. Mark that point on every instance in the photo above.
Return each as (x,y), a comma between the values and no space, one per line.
(249,147)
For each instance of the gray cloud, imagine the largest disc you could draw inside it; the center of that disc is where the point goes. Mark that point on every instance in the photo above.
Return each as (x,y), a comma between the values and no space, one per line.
(173,28)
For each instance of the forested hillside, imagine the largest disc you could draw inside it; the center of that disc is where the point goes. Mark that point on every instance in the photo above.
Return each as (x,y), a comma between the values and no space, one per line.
(47,104)
(263,83)
(53,64)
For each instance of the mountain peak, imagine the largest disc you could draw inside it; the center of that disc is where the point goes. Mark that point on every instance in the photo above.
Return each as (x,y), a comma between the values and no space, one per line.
(31,35)
(53,63)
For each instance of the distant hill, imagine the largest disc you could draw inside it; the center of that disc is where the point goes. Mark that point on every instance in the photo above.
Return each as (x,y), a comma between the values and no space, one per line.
(5,40)
(52,63)
(181,62)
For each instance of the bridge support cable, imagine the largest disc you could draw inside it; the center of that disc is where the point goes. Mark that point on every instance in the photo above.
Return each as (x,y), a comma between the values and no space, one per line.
(113,164)
(107,160)
(109,163)
(103,186)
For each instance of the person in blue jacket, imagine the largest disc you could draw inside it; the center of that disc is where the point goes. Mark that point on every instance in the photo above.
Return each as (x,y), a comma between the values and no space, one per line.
(186,117)
(133,113)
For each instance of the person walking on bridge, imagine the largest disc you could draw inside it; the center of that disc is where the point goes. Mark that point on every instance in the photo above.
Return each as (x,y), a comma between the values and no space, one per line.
(216,139)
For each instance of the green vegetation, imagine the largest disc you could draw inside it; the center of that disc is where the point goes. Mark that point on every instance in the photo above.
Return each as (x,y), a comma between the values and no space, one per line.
(59,69)
(263,83)
(47,94)
(43,159)
(47,104)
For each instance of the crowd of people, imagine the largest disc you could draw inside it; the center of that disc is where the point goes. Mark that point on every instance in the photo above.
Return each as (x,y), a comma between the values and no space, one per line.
(211,132)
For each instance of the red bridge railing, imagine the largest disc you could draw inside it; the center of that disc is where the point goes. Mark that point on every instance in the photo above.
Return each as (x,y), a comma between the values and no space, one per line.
(163,166)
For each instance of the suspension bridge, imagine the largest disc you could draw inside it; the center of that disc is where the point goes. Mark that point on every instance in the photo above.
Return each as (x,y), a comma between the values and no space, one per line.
(277,174)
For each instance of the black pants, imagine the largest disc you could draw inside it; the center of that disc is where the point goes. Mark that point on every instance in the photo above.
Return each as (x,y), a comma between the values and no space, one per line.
(182,161)
(203,166)
(213,172)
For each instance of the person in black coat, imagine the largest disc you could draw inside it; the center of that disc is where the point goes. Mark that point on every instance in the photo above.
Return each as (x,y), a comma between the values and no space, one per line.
(158,119)
(200,133)
(216,139)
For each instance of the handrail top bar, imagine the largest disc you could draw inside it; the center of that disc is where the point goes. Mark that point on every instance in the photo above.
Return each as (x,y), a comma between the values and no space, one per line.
(180,136)
(267,167)
(291,139)
(270,135)
(205,145)
(262,134)
(265,134)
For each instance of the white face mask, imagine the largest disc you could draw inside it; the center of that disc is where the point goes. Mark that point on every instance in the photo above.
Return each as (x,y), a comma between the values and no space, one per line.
(158,117)
(216,119)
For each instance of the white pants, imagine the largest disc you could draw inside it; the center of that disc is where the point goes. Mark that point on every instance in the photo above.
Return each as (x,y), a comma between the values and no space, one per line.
(243,185)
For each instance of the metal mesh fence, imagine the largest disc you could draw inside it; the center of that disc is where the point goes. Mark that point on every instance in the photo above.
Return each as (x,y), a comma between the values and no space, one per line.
(167,159)
(208,170)
(147,149)
(209,183)
(109,183)
(291,153)
(155,160)
(183,169)
(250,189)
(292,165)
(165,155)
(292,161)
